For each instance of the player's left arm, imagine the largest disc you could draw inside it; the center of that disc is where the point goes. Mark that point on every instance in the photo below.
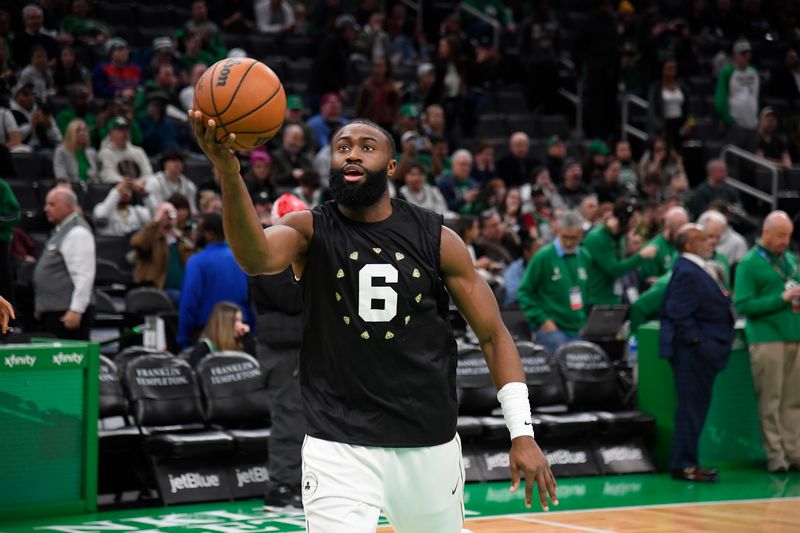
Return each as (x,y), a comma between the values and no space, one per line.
(477,303)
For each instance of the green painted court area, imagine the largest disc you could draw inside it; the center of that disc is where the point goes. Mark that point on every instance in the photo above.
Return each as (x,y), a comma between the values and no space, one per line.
(486,499)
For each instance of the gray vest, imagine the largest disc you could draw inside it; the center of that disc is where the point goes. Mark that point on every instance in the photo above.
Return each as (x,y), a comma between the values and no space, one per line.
(52,284)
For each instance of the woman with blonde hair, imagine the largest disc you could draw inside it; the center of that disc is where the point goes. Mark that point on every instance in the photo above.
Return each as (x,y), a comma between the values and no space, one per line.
(224,330)
(75,160)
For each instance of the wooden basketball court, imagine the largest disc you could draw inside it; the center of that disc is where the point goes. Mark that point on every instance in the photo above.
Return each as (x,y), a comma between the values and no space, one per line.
(773,516)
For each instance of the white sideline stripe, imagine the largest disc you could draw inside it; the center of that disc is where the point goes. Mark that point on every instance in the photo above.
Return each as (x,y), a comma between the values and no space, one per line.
(573,527)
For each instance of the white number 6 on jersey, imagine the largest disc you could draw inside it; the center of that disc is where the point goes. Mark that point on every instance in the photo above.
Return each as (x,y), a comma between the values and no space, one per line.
(367,293)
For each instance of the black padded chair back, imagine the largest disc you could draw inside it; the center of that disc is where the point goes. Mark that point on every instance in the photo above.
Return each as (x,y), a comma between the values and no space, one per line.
(234,388)
(103,304)
(112,398)
(478,394)
(589,376)
(517,324)
(163,391)
(148,301)
(545,385)
(131,352)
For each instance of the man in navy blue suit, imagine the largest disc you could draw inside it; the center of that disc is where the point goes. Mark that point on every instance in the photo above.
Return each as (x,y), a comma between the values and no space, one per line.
(696,336)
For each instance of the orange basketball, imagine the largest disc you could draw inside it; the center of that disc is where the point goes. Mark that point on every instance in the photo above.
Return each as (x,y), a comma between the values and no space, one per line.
(244,97)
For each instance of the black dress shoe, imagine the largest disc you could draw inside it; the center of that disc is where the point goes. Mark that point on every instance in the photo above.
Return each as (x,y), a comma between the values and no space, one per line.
(694,473)
(794,467)
(780,469)
(710,471)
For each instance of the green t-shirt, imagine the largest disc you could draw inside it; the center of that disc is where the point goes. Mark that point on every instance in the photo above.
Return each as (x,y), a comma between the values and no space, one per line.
(83,164)
(662,262)
(174,278)
(606,266)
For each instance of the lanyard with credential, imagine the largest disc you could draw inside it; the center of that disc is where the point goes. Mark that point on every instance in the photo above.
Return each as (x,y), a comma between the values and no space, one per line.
(782,271)
(575,296)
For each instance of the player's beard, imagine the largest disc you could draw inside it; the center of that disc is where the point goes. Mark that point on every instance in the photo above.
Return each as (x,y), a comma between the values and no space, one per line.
(358,195)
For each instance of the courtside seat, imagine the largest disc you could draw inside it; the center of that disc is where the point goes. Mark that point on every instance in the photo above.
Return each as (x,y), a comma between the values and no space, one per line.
(575,425)
(626,424)
(235,393)
(545,386)
(590,379)
(495,429)
(478,394)
(163,393)
(132,352)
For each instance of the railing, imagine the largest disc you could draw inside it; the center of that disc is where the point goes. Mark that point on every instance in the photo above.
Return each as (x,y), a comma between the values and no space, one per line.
(575,98)
(496,27)
(627,128)
(772,198)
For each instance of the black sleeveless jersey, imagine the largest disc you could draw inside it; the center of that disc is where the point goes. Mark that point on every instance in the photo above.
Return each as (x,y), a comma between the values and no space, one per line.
(378,362)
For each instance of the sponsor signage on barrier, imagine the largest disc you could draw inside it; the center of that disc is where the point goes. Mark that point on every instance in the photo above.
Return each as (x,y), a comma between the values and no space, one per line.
(571,460)
(249,481)
(185,483)
(20,360)
(472,469)
(626,457)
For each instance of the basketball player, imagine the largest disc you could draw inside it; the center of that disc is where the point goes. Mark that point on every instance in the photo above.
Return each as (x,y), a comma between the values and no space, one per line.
(378,361)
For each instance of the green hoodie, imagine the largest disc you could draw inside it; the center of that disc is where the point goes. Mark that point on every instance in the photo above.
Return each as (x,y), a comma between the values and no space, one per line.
(662,262)
(759,296)
(605,266)
(544,292)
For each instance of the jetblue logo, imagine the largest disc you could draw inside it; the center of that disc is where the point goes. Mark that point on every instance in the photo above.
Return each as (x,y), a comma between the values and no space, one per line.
(19,360)
(257,474)
(192,480)
(226,70)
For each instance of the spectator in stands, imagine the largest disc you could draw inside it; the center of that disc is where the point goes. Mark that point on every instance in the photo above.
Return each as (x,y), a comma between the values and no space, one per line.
(669,110)
(9,217)
(606,266)
(225,330)
(484,168)
(116,215)
(274,17)
(457,187)
(212,276)
(628,173)
(7,74)
(329,118)
(417,149)
(184,209)
(785,81)
(237,16)
(64,276)
(208,31)
(542,213)
(186,95)
(170,180)
(75,160)
(82,27)
(294,115)
(589,210)
(32,35)
(609,188)
(540,177)
(768,294)
(713,188)
(119,159)
(289,161)
(794,139)
(666,253)
(164,82)
(450,84)
(678,187)
(540,54)
(258,178)
(79,97)
(193,52)
(718,262)
(469,231)
(552,293)
(696,336)
(162,252)
(39,74)
(556,153)
(420,193)
(37,127)
(309,189)
(736,97)
(163,50)
(111,77)
(572,188)
(770,145)
(729,243)
(419,93)
(497,242)
(69,73)
(517,220)
(595,161)
(10,135)
(378,98)
(160,131)
(331,63)
(661,160)
(516,167)
(434,124)
(512,276)
(373,42)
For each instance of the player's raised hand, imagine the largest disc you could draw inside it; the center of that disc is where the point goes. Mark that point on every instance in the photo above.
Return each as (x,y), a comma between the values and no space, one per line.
(526,456)
(219,153)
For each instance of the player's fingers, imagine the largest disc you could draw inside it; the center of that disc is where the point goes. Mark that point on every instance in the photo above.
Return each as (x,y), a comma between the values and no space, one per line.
(196,118)
(541,485)
(514,478)
(229,140)
(530,481)
(209,137)
(552,487)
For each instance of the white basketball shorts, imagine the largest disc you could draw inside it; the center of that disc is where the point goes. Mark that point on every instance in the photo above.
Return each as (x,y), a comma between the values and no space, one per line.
(345,487)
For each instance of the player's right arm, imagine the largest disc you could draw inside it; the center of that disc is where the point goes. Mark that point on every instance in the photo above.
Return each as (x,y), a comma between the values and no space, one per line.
(257,250)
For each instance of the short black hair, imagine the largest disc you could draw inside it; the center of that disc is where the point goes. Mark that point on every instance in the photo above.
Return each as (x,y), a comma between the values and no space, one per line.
(212,223)
(179,201)
(372,124)
(171,155)
(415,164)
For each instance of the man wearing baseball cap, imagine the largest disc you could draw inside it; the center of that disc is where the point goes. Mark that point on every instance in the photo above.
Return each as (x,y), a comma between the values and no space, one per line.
(736,98)
(110,77)
(770,145)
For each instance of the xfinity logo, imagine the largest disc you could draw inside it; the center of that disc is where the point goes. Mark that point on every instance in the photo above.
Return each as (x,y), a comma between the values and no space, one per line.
(256,474)
(60,358)
(19,360)
(192,480)
(621,453)
(566,457)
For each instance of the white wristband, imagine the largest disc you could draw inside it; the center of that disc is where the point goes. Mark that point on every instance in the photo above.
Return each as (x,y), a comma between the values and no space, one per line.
(516,409)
